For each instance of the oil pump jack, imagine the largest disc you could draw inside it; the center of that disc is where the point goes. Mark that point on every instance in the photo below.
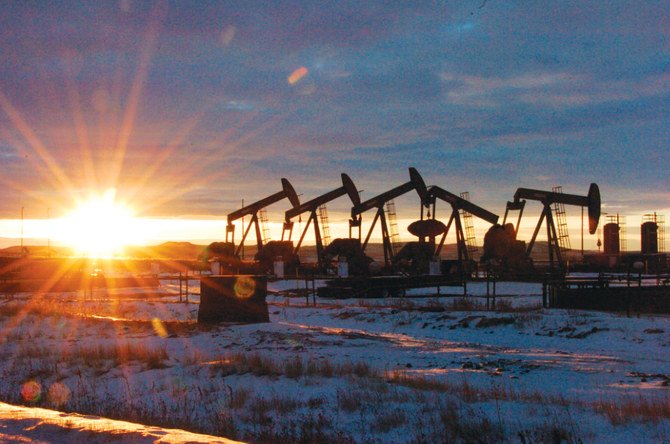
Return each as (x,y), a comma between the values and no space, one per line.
(253,210)
(312,207)
(416,256)
(548,198)
(415,183)
(423,229)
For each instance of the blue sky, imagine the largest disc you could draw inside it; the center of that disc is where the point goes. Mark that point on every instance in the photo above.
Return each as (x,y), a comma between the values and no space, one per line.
(185,107)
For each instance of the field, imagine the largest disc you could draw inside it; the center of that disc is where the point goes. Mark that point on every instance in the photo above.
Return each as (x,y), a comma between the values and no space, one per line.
(419,369)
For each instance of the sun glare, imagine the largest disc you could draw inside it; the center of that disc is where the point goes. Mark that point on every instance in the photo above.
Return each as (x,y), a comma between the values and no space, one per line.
(100,226)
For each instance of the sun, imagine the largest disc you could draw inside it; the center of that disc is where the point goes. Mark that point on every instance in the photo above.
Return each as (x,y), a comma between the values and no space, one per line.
(100,226)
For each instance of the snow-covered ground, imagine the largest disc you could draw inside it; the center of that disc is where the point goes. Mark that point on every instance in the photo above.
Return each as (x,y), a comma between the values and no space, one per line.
(19,424)
(419,369)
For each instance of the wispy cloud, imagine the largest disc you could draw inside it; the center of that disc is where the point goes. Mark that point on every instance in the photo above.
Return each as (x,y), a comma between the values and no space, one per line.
(485,99)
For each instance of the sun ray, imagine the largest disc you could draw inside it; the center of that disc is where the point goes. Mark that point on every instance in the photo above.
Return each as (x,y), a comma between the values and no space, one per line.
(166,154)
(36,298)
(81,130)
(22,126)
(192,168)
(136,88)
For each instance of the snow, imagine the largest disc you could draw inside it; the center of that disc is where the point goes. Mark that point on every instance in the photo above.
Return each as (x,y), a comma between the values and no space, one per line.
(20,424)
(349,369)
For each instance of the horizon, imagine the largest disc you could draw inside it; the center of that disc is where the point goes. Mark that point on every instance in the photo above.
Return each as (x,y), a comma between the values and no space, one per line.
(339,228)
(180,113)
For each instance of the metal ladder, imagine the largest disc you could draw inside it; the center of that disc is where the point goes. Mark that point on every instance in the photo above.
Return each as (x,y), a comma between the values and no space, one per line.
(561,223)
(264,225)
(659,219)
(325,227)
(470,239)
(620,222)
(392,225)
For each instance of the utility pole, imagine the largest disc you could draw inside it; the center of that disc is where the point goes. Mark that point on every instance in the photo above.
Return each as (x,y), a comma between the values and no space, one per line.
(582,232)
(21,251)
(242,230)
(49,232)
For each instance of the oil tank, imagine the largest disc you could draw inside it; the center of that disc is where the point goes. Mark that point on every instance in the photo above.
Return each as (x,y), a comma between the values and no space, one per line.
(611,235)
(649,238)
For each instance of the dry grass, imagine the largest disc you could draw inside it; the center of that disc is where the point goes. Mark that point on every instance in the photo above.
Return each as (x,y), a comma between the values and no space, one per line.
(120,354)
(283,405)
(507,306)
(98,356)
(629,410)
(294,368)
(386,421)
(349,400)
(321,367)
(237,398)
(376,398)
(50,306)
(446,411)
(466,304)
(469,393)
(495,321)
(452,422)
(464,391)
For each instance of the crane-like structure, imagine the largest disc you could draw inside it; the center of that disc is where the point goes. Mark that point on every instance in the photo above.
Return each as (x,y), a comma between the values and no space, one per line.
(312,207)
(458,204)
(253,210)
(378,202)
(549,198)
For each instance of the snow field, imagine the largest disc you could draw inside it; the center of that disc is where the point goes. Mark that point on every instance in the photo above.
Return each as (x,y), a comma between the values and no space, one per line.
(424,369)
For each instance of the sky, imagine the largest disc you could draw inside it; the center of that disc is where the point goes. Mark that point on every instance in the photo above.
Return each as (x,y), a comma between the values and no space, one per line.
(185,108)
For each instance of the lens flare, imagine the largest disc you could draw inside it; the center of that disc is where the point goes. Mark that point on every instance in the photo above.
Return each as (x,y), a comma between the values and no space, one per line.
(297,75)
(244,287)
(159,328)
(31,391)
(227,35)
(58,394)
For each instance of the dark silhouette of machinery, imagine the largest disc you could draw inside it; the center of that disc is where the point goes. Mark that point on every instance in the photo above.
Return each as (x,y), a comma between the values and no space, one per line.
(503,252)
(616,256)
(222,252)
(378,202)
(417,255)
(614,235)
(312,207)
(349,250)
(414,257)
(280,250)
(500,243)
(651,234)
(274,248)
(458,205)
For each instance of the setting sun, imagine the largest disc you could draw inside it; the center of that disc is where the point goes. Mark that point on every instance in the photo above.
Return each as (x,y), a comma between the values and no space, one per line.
(100,226)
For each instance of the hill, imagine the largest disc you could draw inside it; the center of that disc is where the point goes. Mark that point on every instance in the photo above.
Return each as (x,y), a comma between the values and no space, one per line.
(36,251)
(190,251)
(167,250)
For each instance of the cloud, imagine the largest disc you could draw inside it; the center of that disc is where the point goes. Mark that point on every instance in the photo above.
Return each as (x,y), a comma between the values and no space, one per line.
(485,99)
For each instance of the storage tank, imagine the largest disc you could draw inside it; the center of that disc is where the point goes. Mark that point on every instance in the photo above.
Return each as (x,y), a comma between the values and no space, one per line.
(611,234)
(649,235)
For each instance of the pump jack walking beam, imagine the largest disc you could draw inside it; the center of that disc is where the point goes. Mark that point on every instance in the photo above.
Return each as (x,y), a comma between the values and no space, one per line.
(252,210)
(415,183)
(547,198)
(312,207)
(458,203)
